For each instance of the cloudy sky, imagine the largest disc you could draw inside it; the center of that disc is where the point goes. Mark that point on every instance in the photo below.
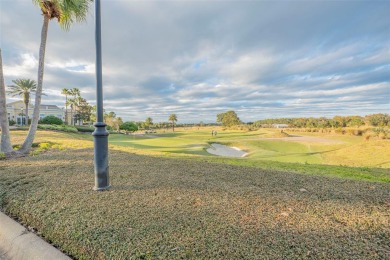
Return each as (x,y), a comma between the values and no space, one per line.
(263,59)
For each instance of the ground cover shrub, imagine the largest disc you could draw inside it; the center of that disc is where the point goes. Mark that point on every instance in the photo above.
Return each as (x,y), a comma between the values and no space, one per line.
(339,130)
(85,129)
(63,128)
(358,132)
(165,208)
(51,120)
(40,147)
(57,146)
(367,135)
(44,146)
(2,155)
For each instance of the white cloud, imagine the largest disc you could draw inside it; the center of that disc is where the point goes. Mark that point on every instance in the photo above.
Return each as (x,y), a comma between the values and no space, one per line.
(199,58)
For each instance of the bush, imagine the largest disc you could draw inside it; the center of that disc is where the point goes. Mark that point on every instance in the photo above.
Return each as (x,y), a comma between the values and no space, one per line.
(64,128)
(11,122)
(44,146)
(51,120)
(358,132)
(85,129)
(129,127)
(339,130)
(2,155)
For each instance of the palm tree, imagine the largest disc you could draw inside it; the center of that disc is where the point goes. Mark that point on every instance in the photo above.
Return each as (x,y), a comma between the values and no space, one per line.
(66,12)
(6,146)
(71,103)
(75,92)
(173,119)
(66,92)
(23,87)
(79,102)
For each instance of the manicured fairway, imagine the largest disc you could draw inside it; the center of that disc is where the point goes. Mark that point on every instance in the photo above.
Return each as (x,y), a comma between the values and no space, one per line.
(262,145)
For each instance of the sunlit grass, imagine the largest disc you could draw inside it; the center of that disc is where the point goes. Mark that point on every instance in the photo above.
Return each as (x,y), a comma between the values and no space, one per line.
(304,157)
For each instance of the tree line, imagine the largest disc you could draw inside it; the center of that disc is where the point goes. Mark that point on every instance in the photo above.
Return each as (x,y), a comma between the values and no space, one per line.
(377,120)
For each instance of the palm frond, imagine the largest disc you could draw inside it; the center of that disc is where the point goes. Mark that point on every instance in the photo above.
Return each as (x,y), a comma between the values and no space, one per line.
(22,86)
(73,11)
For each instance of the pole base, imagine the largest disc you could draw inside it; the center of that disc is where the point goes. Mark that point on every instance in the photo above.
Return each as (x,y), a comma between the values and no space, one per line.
(100,139)
(102,188)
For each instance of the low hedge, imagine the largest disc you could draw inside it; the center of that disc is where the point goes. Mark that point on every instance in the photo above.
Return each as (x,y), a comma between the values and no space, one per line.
(63,128)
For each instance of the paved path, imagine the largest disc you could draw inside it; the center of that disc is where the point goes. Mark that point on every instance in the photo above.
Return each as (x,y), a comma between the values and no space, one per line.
(3,256)
(21,244)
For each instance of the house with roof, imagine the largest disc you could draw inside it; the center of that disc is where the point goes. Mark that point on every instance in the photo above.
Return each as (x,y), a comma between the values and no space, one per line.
(17,112)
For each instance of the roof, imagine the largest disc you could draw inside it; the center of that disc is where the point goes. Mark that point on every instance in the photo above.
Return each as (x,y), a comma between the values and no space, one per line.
(49,107)
(42,106)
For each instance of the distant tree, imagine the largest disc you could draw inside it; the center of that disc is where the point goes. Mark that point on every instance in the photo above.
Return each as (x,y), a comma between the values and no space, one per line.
(355,121)
(112,120)
(67,93)
(23,87)
(378,119)
(128,127)
(73,102)
(340,121)
(323,122)
(83,110)
(140,124)
(173,119)
(311,122)
(148,122)
(228,119)
(117,123)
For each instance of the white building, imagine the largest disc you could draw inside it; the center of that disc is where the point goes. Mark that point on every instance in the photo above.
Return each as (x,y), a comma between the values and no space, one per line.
(17,112)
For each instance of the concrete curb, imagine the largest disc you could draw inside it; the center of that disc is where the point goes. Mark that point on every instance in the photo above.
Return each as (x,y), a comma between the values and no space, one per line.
(16,242)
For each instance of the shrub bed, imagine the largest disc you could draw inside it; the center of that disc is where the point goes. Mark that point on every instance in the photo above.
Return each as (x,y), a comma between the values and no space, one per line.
(64,128)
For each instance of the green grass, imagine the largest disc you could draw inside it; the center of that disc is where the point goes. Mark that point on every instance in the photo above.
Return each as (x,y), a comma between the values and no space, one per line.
(361,160)
(176,205)
(180,208)
(350,151)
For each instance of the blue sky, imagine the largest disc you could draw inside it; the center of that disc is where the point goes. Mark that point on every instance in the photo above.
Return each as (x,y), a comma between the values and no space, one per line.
(263,59)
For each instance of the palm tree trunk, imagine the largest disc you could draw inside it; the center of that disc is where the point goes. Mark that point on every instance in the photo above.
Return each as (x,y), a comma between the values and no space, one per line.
(26,113)
(38,95)
(66,110)
(71,116)
(6,146)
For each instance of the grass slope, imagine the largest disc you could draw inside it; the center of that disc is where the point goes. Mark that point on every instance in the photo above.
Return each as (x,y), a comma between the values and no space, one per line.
(163,207)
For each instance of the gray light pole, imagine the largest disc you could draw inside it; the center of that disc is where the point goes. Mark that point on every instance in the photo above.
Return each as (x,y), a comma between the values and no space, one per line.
(100,135)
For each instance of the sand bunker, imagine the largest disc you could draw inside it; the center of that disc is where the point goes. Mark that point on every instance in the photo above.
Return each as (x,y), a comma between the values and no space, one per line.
(223,150)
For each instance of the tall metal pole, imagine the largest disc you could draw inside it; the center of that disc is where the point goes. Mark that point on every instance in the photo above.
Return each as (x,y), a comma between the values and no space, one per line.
(100,135)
